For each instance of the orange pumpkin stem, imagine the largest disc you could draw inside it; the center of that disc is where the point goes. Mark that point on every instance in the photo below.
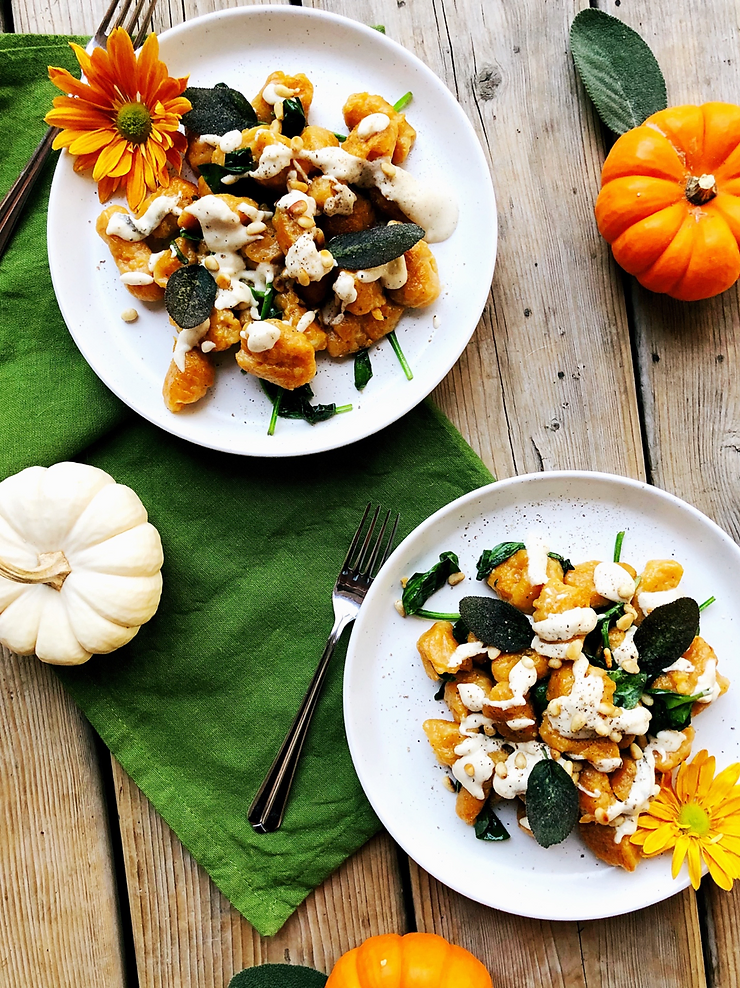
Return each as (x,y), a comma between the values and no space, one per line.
(700,190)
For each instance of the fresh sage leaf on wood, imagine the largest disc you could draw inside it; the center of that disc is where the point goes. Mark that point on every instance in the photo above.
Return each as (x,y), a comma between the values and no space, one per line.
(670,711)
(218,110)
(363,369)
(552,803)
(491,558)
(371,248)
(189,295)
(488,826)
(421,586)
(278,976)
(630,687)
(665,634)
(294,117)
(496,622)
(617,68)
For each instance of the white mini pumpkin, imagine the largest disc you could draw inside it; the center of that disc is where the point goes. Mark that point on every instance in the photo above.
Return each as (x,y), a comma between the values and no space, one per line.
(79,563)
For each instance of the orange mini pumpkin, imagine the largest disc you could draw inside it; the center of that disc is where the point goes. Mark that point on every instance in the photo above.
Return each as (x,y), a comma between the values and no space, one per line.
(670,200)
(417,960)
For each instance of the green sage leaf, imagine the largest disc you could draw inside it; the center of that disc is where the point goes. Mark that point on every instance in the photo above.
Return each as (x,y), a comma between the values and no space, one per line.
(371,248)
(552,803)
(630,687)
(218,110)
(488,826)
(496,622)
(665,634)
(421,586)
(363,369)
(617,68)
(491,558)
(189,295)
(294,117)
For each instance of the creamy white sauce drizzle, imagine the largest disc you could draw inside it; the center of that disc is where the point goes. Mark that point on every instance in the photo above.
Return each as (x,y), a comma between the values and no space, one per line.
(374,123)
(130,228)
(304,255)
(569,624)
(391,275)
(274,159)
(291,198)
(261,336)
(469,725)
(221,226)
(551,650)
(614,582)
(342,202)
(465,651)
(344,288)
(472,695)
(186,340)
(519,723)
(536,548)
(305,321)
(474,751)
(626,651)
(515,783)
(680,665)
(521,679)
(648,600)
(707,683)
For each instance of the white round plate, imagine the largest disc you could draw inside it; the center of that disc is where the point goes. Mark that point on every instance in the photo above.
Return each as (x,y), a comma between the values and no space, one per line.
(387,694)
(340,56)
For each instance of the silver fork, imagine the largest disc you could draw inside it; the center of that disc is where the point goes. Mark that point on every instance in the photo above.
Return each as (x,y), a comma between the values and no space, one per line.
(364,558)
(13,204)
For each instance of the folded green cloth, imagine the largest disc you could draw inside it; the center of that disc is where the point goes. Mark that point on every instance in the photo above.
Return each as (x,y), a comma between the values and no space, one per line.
(196,706)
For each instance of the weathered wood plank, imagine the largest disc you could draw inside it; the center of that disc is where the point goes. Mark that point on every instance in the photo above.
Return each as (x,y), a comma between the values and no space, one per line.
(186,932)
(688,353)
(59,921)
(558,345)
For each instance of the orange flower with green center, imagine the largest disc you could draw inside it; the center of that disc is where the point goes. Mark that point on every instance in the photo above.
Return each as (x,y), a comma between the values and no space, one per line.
(699,816)
(123,120)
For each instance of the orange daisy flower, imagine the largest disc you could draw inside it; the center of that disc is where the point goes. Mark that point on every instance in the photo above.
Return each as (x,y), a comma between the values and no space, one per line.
(699,816)
(123,120)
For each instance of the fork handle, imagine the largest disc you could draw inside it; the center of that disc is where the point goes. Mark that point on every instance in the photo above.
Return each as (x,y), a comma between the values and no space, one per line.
(266,812)
(15,200)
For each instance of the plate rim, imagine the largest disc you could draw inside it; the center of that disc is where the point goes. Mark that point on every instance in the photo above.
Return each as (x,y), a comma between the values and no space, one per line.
(302,446)
(377,588)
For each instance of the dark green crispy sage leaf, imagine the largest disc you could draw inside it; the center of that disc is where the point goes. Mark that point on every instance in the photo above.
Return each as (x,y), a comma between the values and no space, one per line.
(218,110)
(421,586)
(552,803)
(373,247)
(496,622)
(617,68)
(488,826)
(630,687)
(665,634)
(363,369)
(491,558)
(294,117)
(670,711)
(189,295)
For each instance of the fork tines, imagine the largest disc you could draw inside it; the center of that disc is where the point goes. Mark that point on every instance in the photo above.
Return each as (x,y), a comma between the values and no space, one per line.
(370,556)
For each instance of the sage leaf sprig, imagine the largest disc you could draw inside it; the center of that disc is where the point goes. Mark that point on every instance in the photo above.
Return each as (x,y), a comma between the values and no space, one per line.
(552,803)
(189,295)
(665,634)
(618,70)
(371,248)
(496,622)
(218,110)
(421,586)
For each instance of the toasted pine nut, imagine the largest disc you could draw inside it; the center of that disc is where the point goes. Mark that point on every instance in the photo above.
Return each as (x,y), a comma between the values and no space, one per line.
(636,751)
(528,662)
(469,770)
(615,736)
(454,578)
(378,315)
(276,127)
(211,263)
(129,315)
(601,816)
(404,581)
(448,783)
(388,169)
(256,228)
(298,208)
(399,607)
(554,754)
(223,281)
(554,663)
(303,278)
(521,760)
(306,222)
(501,770)
(296,143)
(279,110)
(578,722)
(553,708)
(282,91)
(574,649)
(625,622)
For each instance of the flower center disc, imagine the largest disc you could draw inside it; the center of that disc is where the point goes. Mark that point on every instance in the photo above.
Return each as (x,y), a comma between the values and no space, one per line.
(134,122)
(694,819)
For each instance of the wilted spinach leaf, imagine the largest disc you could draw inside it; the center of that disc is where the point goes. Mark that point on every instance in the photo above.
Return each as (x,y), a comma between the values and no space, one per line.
(294,117)
(552,803)
(488,826)
(218,110)
(665,634)
(296,404)
(445,677)
(421,586)
(363,369)
(460,631)
(565,563)
(630,687)
(538,695)
(670,711)
(220,178)
(189,295)
(373,247)
(496,622)
(491,558)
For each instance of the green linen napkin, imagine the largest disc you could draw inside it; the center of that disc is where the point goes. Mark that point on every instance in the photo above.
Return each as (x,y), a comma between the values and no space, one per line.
(195,707)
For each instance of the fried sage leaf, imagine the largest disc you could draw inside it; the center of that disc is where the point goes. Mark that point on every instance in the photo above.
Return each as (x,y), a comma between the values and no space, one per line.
(630,687)
(421,586)
(373,247)
(189,295)
(218,110)
(488,826)
(671,711)
(552,803)
(496,622)
(665,634)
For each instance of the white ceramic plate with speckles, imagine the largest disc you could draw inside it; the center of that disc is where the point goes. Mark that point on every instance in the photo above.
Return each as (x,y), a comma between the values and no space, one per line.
(340,56)
(387,694)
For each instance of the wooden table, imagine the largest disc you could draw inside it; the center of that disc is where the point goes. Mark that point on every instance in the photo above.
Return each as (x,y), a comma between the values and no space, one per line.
(572,366)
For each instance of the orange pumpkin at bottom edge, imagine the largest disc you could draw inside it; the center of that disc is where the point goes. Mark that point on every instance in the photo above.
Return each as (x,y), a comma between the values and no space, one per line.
(416,960)
(669,204)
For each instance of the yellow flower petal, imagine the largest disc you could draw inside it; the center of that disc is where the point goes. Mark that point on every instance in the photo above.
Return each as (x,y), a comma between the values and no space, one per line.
(679,853)
(694,863)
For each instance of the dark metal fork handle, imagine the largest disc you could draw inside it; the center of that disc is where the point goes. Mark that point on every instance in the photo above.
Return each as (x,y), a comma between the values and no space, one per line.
(14,202)
(266,812)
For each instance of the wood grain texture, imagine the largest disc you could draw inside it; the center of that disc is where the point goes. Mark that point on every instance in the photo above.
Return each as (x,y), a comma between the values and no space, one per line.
(688,355)
(187,934)
(59,923)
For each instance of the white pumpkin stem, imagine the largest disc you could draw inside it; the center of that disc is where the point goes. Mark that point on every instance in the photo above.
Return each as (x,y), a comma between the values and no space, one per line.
(53,569)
